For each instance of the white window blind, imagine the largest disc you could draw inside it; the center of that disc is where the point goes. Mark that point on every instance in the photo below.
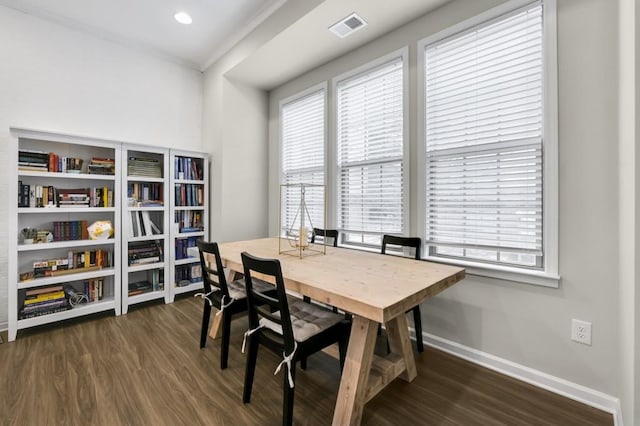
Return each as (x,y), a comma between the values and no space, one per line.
(484,127)
(303,146)
(370,153)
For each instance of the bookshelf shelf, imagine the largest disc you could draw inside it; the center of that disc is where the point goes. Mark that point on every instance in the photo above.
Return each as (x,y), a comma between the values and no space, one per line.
(189,234)
(148,209)
(148,238)
(187,261)
(189,206)
(146,267)
(82,175)
(65,244)
(49,210)
(187,181)
(55,175)
(147,296)
(145,227)
(78,276)
(79,311)
(145,179)
(188,288)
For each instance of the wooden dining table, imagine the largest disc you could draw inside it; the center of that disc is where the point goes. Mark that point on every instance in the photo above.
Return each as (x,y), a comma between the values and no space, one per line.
(374,289)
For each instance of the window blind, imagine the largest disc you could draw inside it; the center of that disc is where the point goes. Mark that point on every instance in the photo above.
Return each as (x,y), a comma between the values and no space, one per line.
(484,126)
(303,146)
(370,153)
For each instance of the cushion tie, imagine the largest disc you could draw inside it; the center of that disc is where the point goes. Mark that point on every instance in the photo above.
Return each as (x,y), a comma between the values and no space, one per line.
(286,359)
(249,333)
(205,296)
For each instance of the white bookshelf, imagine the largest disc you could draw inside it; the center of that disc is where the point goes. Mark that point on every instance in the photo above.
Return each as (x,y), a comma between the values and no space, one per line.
(24,254)
(189,202)
(145,217)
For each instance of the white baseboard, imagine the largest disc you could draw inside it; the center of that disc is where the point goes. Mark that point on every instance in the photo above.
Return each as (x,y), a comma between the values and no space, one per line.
(537,378)
(4,326)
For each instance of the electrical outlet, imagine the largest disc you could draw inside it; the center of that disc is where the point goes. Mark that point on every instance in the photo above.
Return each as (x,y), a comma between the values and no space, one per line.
(581,331)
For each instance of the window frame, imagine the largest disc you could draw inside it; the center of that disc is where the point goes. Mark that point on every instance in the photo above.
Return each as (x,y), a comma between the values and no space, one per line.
(322,86)
(334,167)
(547,276)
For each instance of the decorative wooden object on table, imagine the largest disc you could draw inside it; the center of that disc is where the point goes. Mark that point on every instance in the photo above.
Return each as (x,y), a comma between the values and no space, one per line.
(358,282)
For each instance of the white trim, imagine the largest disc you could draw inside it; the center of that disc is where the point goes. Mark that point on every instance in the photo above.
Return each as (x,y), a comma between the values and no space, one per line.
(550,194)
(334,201)
(549,277)
(557,385)
(501,272)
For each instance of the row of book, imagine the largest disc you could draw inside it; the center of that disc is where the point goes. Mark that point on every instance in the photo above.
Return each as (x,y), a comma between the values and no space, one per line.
(102,166)
(188,168)
(40,161)
(141,224)
(189,194)
(189,221)
(75,262)
(154,282)
(142,252)
(70,230)
(182,246)
(94,289)
(50,196)
(43,301)
(188,274)
(145,167)
(145,194)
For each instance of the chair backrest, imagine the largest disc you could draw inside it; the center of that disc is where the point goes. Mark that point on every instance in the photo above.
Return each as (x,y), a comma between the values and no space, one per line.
(411,242)
(325,233)
(208,272)
(262,306)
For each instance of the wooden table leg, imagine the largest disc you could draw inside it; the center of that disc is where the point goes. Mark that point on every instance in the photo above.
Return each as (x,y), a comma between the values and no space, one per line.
(400,344)
(355,375)
(215,332)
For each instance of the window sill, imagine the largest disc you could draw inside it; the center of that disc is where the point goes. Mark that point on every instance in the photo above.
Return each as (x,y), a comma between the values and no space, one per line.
(539,278)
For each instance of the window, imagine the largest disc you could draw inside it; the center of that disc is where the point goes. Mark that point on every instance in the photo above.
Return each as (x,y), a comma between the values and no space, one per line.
(370,153)
(486,143)
(302,157)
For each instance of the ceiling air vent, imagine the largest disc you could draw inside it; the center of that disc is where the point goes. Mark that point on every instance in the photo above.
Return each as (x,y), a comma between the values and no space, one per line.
(347,26)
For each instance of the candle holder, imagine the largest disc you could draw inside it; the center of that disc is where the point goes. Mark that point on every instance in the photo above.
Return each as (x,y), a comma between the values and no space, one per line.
(296,223)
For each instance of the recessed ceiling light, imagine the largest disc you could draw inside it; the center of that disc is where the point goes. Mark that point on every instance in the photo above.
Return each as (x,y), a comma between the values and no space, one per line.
(183,18)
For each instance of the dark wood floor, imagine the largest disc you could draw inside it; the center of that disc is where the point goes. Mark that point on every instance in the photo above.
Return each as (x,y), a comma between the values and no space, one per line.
(145,368)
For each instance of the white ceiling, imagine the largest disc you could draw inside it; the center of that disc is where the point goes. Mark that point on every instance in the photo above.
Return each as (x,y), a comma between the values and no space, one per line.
(219,24)
(149,24)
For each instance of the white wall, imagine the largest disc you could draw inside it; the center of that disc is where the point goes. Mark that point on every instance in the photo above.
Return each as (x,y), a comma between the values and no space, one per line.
(53,78)
(234,132)
(522,323)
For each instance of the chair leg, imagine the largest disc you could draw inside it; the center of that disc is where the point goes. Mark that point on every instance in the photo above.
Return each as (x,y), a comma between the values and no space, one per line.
(226,335)
(306,299)
(252,357)
(206,315)
(289,392)
(303,363)
(417,325)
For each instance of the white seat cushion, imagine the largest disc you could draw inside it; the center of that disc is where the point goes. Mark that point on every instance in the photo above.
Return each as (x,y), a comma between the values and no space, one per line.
(307,320)
(238,288)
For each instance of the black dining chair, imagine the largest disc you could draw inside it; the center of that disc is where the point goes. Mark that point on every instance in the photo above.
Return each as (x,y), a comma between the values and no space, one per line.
(415,243)
(293,331)
(325,233)
(229,298)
